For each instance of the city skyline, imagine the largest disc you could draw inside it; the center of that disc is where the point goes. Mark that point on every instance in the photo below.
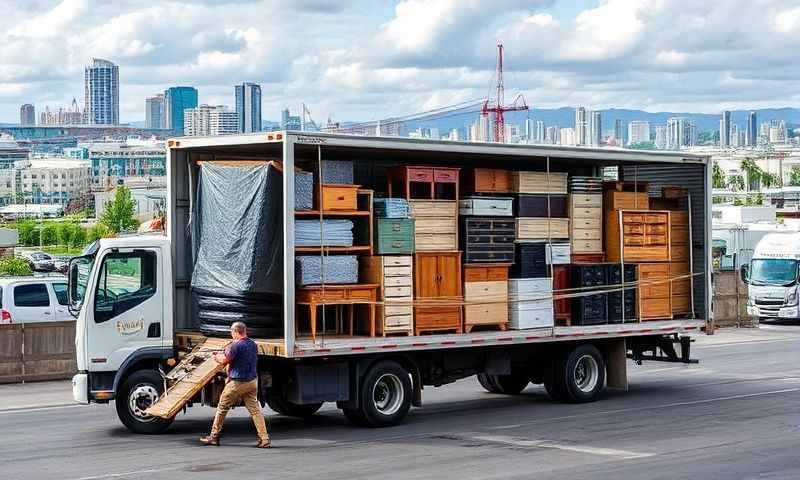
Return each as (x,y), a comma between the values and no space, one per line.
(413,62)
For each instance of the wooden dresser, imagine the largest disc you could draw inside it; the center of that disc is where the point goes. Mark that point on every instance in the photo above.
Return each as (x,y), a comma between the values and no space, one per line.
(645,235)
(423,182)
(529,228)
(539,182)
(435,224)
(487,239)
(394,236)
(394,276)
(586,222)
(437,292)
(485,283)
(655,298)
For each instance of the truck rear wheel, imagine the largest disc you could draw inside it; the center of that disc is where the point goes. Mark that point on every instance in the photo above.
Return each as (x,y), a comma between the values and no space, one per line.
(578,377)
(506,384)
(285,407)
(140,390)
(385,393)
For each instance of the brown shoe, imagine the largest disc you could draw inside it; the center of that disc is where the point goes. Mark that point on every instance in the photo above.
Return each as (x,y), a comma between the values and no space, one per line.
(264,444)
(210,440)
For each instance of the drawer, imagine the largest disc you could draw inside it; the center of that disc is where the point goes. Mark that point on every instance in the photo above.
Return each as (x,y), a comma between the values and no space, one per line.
(475,274)
(658,229)
(433,208)
(390,292)
(398,321)
(329,295)
(586,200)
(437,317)
(486,314)
(586,212)
(397,271)
(678,268)
(435,242)
(397,281)
(633,229)
(655,240)
(653,270)
(681,287)
(488,257)
(390,310)
(632,218)
(593,223)
(486,290)
(634,240)
(656,308)
(681,303)
(518,287)
(655,290)
(360,294)
(646,254)
(679,253)
(656,218)
(497,273)
(537,228)
(420,174)
(435,225)
(587,246)
(679,236)
(489,206)
(397,261)
(339,197)
(394,245)
(442,175)
(615,200)
(679,218)
(399,227)
(557,254)
(586,233)
(553,206)
(539,182)
(524,318)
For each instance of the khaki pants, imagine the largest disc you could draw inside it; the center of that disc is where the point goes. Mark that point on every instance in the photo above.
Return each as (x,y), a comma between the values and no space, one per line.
(247,393)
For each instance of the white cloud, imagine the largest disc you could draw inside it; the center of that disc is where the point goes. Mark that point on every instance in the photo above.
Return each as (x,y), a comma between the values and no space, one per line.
(788,20)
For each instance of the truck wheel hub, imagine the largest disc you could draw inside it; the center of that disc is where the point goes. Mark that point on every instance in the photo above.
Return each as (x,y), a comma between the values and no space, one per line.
(387,394)
(140,399)
(586,373)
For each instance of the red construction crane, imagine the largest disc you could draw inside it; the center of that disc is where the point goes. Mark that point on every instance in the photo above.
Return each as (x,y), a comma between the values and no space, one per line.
(497,108)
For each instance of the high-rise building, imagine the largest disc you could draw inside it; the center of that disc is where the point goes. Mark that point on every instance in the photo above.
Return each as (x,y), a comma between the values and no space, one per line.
(725,129)
(638,132)
(551,136)
(661,137)
(763,133)
(529,132)
(289,121)
(778,132)
(154,112)
(27,115)
(676,133)
(619,132)
(566,136)
(752,132)
(176,101)
(62,116)
(210,120)
(101,93)
(581,127)
(540,131)
(248,107)
(595,130)
(734,135)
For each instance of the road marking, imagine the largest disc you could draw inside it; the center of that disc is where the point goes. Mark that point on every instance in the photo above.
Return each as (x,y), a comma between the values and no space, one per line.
(127,474)
(37,408)
(608,452)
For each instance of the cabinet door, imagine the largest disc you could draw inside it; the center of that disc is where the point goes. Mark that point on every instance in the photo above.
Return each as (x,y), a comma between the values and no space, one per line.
(426,276)
(449,269)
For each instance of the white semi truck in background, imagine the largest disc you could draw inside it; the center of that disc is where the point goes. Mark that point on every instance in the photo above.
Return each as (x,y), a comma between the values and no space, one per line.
(772,277)
(131,296)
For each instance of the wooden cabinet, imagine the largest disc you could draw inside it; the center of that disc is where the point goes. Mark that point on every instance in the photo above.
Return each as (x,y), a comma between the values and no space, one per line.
(616,200)
(542,228)
(561,285)
(338,197)
(487,239)
(541,205)
(586,222)
(644,236)
(393,275)
(394,236)
(654,292)
(437,290)
(679,266)
(435,224)
(487,180)
(539,182)
(485,296)
(423,182)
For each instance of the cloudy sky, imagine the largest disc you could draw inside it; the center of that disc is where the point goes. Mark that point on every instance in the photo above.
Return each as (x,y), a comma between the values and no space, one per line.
(370,59)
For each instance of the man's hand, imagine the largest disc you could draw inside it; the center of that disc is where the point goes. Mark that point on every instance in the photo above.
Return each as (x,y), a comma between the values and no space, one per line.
(220,358)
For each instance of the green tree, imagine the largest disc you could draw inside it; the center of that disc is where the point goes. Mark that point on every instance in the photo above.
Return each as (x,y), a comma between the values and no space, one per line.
(753,173)
(794,177)
(17,267)
(736,182)
(49,233)
(717,177)
(118,215)
(97,232)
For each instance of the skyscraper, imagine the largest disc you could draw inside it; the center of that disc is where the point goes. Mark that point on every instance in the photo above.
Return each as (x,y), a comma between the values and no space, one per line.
(176,101)
(733,138)
(752,132)
(27,115)
(638,132)
(551,136)
(661,137)
(101,93)
(676,133)
(210,120)
(595,130)
(725,129)
(619,132)
(248,107)
(581,127)
(154,112)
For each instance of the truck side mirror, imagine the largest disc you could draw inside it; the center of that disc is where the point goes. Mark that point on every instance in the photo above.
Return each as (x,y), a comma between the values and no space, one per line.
(744,271)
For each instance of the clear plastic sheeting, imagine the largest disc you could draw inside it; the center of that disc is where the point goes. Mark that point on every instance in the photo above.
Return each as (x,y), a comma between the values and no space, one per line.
(237,237)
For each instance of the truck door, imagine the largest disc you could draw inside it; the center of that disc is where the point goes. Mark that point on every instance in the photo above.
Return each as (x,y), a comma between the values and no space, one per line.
(126,307)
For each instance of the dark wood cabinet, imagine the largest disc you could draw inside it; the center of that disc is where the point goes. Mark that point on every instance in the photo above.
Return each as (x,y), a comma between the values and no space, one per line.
(561,306)
(437,291)
(423,182)
(487,239)
(552,206)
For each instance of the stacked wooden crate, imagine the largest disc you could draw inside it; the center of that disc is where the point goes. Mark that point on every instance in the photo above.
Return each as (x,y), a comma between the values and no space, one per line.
(541,205)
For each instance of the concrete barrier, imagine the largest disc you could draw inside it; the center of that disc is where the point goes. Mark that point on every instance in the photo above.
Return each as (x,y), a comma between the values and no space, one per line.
(37,351)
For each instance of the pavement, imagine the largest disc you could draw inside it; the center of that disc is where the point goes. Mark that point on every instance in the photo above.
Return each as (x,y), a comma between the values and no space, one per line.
(735,415)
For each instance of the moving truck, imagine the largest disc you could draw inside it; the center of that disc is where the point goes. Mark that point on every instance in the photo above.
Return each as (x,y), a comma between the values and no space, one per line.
(772,276)
(141,329)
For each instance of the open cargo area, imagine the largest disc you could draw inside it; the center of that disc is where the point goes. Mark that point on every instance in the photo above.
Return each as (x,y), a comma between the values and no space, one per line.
(344,245)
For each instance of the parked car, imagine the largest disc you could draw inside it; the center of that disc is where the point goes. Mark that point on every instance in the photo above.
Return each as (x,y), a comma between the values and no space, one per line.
(40,262)
(61,264)
(33,299)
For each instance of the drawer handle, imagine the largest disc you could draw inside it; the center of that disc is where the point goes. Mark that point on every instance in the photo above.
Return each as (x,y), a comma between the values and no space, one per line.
(340,197)
(396,227)
(397,244)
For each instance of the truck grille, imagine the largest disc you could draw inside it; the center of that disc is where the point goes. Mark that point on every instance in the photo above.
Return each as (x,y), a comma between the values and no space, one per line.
(764,301)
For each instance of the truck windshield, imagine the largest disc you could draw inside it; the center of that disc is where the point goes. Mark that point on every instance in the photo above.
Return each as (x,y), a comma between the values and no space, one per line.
(773,271)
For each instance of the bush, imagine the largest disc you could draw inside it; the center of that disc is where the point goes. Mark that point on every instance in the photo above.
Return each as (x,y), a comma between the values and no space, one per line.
(97,232)
(12,266)
(49,233)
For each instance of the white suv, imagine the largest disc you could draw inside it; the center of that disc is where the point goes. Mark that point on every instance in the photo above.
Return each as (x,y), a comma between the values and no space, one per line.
(34,299)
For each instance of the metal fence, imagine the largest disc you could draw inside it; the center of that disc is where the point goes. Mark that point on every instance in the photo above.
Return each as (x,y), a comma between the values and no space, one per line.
(37,351)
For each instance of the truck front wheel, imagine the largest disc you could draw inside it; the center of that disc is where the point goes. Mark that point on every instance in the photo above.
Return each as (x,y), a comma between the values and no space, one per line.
(386,393)
(577,377)
(140,390)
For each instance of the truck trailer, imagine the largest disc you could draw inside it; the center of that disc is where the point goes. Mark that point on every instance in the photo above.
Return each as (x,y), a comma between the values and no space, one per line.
(147,324)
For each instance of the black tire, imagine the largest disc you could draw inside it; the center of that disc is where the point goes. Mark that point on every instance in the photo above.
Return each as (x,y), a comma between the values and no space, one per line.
(385,394)
(285,407)
(355,416)
(554,389)
(580,376)
(140,390)
(505,384)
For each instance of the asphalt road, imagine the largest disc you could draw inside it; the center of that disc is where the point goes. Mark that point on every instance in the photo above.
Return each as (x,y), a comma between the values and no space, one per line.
(734,416)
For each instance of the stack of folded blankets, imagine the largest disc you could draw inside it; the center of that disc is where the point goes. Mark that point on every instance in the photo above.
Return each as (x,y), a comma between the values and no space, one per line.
(303,190)
(339,269)
(391,208)
(337,233)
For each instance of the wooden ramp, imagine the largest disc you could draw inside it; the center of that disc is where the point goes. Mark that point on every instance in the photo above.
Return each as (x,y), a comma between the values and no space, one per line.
(188,377)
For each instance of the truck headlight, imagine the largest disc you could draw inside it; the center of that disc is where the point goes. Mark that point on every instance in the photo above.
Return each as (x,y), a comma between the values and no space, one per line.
(791,299)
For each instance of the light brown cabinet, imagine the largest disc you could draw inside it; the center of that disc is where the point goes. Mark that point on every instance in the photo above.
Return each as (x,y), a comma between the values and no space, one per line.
(437,290)
(644,236)
(489,284)
(654,292)
(393,274)
(487,180)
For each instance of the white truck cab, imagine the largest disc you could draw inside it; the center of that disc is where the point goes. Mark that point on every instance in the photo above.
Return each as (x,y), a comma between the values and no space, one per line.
(772,277)
(121,293)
